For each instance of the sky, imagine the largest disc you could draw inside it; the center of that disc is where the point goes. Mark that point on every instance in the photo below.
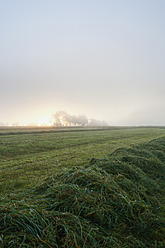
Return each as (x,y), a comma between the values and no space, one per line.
(101,58)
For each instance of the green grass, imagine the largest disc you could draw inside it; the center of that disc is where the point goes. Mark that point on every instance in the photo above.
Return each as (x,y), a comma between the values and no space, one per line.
(30,155)
(82,188)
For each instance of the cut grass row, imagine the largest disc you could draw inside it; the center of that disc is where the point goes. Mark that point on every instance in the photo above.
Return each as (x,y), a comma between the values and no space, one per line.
(116,201)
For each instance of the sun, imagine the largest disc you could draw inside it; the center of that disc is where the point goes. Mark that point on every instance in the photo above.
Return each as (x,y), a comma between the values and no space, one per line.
(46,121)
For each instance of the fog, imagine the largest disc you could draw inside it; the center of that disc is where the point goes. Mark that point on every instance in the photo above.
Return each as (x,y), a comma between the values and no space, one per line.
(62,118)
(100,59)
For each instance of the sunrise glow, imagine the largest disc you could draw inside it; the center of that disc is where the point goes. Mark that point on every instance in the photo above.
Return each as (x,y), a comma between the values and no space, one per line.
(46,121)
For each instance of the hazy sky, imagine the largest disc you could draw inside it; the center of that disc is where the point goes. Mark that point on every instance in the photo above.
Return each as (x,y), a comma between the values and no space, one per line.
(101,58)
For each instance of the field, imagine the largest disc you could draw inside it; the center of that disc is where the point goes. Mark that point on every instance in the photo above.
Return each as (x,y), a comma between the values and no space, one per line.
(82,187)
(30,155)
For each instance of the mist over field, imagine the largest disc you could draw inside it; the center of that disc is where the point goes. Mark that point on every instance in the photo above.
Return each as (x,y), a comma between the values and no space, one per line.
(100,59)
(82,123)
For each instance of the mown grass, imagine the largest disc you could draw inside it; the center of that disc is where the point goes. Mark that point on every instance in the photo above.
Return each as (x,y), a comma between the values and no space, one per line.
(29,155)
(115,201)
